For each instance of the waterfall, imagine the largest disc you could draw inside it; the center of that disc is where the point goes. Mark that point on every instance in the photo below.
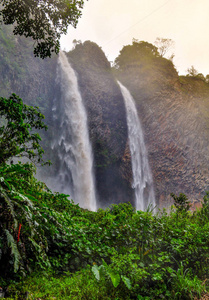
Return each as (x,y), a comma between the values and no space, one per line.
(71,141)
(142,177)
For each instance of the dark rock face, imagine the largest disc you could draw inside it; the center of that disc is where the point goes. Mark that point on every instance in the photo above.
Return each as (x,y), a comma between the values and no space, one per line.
(21,73)
(34,80)
(107,123)
(174,112)
(31,78)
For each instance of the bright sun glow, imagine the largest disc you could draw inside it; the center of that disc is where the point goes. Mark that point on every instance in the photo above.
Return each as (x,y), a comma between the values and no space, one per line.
(114,23)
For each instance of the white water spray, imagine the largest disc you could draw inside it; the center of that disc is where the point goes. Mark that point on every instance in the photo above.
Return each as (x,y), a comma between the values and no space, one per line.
(73,144)
(142,177)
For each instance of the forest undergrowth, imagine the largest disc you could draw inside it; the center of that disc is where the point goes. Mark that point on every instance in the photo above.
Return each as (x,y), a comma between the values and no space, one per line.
(50,248)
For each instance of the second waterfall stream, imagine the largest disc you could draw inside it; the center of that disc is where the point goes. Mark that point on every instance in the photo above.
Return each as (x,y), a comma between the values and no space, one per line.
(72,144)
(142,176)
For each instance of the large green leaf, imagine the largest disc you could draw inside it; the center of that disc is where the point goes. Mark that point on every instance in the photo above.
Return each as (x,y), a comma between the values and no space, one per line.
(126,281)
(95,271)
(13,246)
(115,277)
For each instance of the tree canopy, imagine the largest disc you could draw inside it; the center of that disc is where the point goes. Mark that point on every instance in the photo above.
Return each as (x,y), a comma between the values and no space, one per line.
(16,134)
(164,45)
(139,51)
(43,21)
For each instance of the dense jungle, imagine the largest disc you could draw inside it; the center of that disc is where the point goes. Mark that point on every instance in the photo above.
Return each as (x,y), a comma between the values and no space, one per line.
(52,247)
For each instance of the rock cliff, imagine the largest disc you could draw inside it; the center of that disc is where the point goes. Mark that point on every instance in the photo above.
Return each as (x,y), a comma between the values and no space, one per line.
(107,123)
(174,112)
(31,78)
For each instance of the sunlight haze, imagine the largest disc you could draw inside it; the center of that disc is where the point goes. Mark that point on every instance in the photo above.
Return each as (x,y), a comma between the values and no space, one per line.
(113,24)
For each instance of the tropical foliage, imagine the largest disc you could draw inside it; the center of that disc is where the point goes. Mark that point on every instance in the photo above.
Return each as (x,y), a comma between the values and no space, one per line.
(16,135)
(139,52)
(79,254)
(103,255)
(43,21)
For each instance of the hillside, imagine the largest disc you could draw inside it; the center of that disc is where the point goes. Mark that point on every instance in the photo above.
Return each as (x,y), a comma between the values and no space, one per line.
(174,112)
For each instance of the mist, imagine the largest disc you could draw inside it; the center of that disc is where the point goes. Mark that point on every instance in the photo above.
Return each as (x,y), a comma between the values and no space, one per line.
(114,24)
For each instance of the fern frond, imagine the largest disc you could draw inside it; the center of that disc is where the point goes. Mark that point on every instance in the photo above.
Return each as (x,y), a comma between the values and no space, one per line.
(10,206)
(22,198)
(14,251)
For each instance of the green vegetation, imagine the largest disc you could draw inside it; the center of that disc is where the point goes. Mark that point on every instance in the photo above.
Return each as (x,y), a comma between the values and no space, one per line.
(140,65)
(16,138)
(43,21)
(51,248)
(139,53)
(78,254)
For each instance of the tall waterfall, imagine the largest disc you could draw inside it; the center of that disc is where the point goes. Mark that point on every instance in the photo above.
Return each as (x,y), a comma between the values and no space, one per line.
(75,175)
(142,177)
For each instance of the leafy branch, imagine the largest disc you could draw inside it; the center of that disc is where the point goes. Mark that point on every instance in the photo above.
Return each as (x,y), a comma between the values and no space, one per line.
(16,134)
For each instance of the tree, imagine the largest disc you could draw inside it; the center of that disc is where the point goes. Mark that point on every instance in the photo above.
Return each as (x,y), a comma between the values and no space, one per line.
(145,47)
(43,21)
(181,203)
(201,76)
(164,45)
(138,52)
(192,72)
(16,134)
(76,42)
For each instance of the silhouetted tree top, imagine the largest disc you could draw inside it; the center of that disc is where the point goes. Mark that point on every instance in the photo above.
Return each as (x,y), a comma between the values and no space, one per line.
(137,52)
(164,45)
(43,21)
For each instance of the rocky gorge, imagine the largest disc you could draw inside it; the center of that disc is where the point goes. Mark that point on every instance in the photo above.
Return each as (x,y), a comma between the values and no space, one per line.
(173,110)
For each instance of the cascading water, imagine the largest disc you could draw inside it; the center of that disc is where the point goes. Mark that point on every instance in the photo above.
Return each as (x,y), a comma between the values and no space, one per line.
(71,142)
(142,177)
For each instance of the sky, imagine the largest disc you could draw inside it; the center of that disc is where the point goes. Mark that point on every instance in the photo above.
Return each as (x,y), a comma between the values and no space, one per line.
(113,24)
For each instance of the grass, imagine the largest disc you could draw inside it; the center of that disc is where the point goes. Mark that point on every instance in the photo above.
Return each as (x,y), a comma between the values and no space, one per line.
(78,286)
